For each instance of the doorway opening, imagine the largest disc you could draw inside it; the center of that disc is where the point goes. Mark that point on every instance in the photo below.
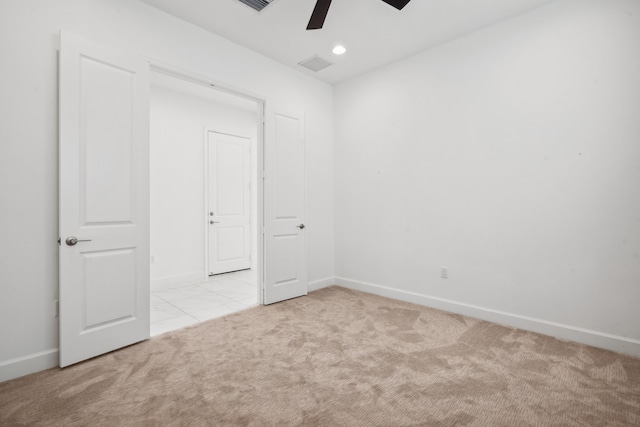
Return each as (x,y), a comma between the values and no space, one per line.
(204,158)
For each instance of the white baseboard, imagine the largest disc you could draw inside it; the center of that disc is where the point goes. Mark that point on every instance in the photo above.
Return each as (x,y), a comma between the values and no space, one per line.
(162,282)
(47,359)
(29,364)
(571,333)
(322,283)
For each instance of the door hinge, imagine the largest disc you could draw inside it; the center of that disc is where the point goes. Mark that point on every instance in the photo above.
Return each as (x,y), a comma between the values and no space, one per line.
(59,241)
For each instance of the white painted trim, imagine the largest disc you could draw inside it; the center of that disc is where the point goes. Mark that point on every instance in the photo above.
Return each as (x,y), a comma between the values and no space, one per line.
(205,197)
(201,79)
(29,364)
(163,282)
(567,332)
(322,283)
(260,152)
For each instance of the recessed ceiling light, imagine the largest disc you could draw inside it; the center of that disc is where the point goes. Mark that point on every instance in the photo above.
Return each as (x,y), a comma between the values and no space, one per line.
(339,49)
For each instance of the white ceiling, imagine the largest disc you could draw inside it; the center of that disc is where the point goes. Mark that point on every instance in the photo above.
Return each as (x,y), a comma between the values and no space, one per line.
(374,33)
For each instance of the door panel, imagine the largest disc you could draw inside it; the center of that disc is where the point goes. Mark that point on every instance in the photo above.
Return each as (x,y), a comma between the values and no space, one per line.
(104,199)
(286,269)
(107,117)
(286,249)
(230,243)
(109,286)
(229,203)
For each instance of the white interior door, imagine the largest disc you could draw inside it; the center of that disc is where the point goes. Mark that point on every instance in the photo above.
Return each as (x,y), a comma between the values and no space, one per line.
(284,173)
(104,199)
(229,221)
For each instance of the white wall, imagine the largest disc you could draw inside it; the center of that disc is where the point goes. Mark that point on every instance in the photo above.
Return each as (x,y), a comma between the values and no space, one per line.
(28,151)
(511,156)
(178,123)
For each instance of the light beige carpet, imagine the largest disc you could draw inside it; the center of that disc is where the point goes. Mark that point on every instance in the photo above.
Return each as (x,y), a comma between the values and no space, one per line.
(336,358)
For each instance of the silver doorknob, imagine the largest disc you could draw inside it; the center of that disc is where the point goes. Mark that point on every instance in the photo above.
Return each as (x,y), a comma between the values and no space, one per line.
(301,226)
(71,240)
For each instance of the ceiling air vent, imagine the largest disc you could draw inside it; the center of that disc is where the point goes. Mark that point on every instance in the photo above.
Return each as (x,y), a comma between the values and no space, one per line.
(256,4)
(315,63)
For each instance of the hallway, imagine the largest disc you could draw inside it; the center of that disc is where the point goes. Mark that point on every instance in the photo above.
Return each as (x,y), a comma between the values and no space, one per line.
(176,306)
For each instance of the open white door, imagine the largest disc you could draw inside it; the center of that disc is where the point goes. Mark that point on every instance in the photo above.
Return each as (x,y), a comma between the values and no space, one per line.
(229,170)
(104,199)
(284,172)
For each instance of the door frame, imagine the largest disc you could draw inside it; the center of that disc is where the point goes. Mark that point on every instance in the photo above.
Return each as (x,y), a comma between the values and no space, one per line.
(207,181)
(207,82)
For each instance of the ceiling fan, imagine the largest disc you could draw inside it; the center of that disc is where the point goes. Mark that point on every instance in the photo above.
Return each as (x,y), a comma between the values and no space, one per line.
(322,7)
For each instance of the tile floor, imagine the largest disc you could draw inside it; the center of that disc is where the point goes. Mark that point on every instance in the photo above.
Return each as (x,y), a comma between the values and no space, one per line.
(176,306)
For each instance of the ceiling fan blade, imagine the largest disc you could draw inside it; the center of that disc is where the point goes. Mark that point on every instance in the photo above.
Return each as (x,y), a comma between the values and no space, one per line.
(398,4)
(319,14)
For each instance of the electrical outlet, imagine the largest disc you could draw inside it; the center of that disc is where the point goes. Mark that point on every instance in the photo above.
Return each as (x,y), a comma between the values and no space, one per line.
(153,259)
(444,272)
